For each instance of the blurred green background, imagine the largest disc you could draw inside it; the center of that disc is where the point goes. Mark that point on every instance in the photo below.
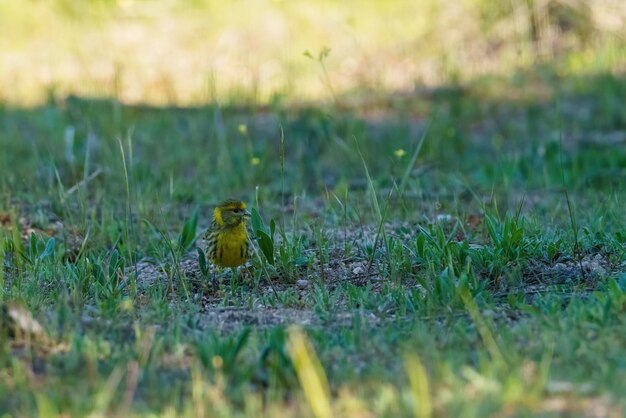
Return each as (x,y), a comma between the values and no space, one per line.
(189,52)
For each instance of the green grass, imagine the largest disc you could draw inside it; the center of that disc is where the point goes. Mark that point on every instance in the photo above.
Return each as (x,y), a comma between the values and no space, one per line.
(455,278)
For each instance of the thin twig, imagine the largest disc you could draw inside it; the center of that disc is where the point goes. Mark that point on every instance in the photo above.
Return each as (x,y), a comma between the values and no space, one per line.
(83,181)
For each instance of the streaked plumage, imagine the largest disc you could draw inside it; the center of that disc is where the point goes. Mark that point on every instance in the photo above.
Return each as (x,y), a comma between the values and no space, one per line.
(227,237)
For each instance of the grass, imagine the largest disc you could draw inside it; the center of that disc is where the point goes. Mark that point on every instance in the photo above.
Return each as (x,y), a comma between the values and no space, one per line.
(458,278)
(451,250)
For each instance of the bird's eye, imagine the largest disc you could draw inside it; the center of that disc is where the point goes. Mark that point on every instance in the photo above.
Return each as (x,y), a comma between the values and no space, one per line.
(236,210)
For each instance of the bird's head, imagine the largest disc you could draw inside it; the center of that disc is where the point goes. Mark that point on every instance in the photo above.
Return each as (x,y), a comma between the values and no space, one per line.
(230,213)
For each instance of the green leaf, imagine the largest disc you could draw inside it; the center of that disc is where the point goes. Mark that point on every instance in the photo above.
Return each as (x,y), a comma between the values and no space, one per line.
(301,261)
(266,244)
(49,250)
(622,282)
(98,272)
(240,343)
(115,256)
(614,287)
(188,235)
(202,262)
(32,248)
(257,221)
(421,238)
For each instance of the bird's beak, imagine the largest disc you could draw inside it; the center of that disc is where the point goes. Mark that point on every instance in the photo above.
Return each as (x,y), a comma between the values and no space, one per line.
(246,213)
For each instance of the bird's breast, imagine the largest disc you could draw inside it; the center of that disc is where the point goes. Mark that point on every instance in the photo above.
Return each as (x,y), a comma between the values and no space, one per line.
(232,247)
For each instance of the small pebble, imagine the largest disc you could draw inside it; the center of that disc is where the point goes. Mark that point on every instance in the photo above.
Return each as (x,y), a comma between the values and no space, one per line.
(302,283)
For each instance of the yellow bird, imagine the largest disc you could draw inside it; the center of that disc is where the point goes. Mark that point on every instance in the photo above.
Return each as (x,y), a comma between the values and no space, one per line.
(227,237)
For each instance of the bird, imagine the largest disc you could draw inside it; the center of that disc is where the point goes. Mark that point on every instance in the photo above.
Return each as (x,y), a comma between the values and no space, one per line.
(227,236)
